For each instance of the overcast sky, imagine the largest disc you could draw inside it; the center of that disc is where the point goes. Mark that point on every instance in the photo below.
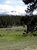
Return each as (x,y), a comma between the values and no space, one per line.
(17,6)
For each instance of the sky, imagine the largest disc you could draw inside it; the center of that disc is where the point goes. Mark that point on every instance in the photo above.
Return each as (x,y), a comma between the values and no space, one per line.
(13,7)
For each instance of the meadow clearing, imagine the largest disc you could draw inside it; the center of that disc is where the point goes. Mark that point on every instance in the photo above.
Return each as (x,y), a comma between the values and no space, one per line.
(13,39)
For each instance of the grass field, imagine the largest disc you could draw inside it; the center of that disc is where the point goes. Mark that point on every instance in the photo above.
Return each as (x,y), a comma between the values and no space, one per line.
(13,39)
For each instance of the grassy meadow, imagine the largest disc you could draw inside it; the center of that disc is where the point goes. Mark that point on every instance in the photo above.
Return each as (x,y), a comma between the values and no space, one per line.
(13,39)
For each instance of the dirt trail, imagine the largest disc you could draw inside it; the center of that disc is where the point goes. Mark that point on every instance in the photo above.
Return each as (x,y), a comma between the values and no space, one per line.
(18,46)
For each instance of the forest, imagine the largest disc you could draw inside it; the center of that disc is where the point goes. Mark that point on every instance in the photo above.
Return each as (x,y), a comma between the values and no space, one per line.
(9,21)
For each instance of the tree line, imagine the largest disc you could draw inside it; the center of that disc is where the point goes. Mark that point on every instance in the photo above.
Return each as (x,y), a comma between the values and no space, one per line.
(9,21)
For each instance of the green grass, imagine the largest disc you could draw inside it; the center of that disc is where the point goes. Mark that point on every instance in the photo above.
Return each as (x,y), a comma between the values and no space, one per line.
(13,39)
(14,35)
